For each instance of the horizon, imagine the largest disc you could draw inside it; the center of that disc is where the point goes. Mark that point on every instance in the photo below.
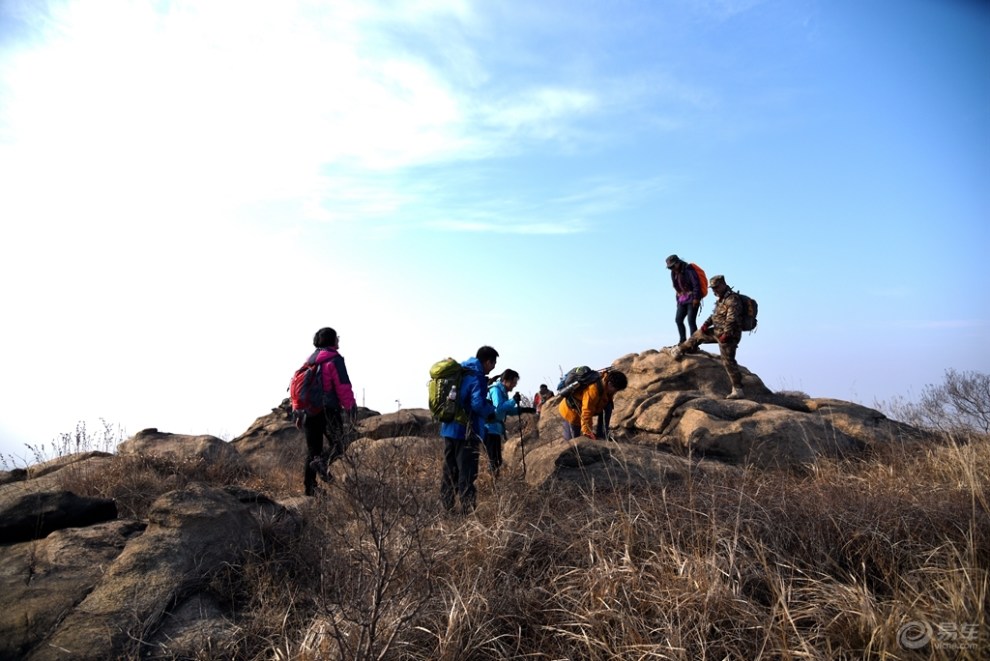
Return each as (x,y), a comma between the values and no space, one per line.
(191,191)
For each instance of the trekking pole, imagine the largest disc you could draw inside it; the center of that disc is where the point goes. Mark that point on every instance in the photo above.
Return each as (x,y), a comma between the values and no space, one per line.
(522,445)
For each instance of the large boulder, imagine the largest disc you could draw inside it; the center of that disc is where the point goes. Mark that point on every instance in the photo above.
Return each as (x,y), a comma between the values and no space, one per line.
(598,465)
(33,508)
(208,451)
(680,406)
(41,581)
(405,422)
(192,533)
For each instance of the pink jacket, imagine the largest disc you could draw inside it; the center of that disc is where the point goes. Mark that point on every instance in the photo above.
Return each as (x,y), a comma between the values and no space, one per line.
(336,383)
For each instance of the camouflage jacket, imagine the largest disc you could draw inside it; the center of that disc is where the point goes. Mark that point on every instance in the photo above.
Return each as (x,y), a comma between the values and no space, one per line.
(727,316)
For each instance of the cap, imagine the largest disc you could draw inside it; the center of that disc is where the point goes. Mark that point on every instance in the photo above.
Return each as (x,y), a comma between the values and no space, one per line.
(672,261)
(717,280)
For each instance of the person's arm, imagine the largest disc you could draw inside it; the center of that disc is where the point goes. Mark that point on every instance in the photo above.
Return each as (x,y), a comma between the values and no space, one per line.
(588,399)
(342,384)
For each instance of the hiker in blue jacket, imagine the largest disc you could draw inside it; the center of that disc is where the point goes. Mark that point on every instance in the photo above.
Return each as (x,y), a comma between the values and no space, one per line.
(498,394)
(460,441)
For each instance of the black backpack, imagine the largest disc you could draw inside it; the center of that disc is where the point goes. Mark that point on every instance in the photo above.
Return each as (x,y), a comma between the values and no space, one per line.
(576,380)
(749,310)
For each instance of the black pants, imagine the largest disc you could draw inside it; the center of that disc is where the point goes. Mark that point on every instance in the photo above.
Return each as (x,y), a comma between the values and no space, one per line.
(689,310)
(327,424)
(460,469)
(493,447)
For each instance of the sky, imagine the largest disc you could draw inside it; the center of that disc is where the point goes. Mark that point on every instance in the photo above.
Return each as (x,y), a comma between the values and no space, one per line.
(189,190)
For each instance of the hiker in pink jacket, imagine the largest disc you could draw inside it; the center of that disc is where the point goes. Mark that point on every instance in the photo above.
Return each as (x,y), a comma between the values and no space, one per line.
(338,405)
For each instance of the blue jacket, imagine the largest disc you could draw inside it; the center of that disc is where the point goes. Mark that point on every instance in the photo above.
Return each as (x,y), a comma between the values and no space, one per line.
(472,397)
(499,397)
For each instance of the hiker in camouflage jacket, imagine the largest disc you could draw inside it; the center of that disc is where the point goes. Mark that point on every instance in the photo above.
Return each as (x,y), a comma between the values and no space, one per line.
(724,326)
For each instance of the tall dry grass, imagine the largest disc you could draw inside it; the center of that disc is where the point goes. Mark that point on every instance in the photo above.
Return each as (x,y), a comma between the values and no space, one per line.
(885,558)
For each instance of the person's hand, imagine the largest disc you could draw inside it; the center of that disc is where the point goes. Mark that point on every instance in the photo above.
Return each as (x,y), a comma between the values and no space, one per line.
(592,436)
(722,339)
(517,397)
(704,328)
(696,304)
(298,422)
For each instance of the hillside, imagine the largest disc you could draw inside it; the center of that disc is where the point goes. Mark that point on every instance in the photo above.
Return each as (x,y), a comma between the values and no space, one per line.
(776,526)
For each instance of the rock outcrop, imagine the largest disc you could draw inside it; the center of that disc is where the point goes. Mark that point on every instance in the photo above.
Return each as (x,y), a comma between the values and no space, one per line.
(77,582)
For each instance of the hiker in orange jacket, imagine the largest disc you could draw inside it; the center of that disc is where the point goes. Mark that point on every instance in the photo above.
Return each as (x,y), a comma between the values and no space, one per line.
(580,408)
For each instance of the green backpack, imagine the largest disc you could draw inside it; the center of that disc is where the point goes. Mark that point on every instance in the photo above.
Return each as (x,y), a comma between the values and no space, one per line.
(445,383)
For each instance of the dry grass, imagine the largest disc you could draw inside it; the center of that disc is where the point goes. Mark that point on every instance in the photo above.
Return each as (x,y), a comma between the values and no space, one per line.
(828,564)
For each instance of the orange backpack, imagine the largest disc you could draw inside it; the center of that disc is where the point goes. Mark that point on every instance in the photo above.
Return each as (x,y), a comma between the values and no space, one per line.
(702,278)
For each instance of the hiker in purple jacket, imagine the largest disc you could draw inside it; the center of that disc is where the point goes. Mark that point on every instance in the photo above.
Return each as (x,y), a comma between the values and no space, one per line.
(688,288)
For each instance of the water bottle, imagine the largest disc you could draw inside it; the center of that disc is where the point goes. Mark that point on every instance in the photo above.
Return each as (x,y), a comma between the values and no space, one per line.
(452,397)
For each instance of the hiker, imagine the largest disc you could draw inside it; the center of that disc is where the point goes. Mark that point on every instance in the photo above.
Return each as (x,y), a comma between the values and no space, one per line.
(339,407)
(498,395)
(596,399)
(723,326)
(688,294)
(541,398)
(460,440)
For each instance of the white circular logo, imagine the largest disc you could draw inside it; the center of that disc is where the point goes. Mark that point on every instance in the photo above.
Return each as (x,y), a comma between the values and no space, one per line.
(914,635)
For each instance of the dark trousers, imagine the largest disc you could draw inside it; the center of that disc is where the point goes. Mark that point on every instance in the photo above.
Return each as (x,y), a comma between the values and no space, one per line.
(689,310)
(327,424)
(493,447)
(460,469)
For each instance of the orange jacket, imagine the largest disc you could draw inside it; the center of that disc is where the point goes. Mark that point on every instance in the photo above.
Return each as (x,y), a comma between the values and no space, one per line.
(593,400)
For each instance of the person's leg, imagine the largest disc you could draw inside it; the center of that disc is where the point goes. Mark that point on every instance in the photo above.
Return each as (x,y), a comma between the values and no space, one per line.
(334,430)
(604,422)
(693,316)
(728,353)
(493,444)
(467,469)
(569,431)
(497,465)
(313,426)
(448,478)
(682,311)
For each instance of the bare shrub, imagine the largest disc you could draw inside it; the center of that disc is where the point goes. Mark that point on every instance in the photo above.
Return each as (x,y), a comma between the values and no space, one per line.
(960,405)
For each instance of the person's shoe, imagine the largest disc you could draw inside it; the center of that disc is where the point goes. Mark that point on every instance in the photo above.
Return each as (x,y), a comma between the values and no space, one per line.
(319,465)
(736,393)
(675,352)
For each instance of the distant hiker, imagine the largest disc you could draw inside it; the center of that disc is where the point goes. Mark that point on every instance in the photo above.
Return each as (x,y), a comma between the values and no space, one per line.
(498,394)
(541,398)
(323,413)
(460,439)
(689,292)
(723,326)
(580,407)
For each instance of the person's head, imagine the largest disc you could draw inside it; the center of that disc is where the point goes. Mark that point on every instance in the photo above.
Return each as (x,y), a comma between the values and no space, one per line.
(510,378)
(325,338)
(488,357)
(717,284)
(615,381)
(543,387)
(674,263)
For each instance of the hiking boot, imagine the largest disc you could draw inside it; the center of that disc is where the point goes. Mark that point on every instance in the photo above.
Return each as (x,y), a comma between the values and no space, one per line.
(675,352)
(319,465)
(736,393)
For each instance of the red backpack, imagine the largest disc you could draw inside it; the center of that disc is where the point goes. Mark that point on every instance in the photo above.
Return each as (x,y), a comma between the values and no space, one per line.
(306,387)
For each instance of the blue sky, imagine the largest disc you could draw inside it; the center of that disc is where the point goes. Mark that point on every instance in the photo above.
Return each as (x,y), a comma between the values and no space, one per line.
(189,190)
